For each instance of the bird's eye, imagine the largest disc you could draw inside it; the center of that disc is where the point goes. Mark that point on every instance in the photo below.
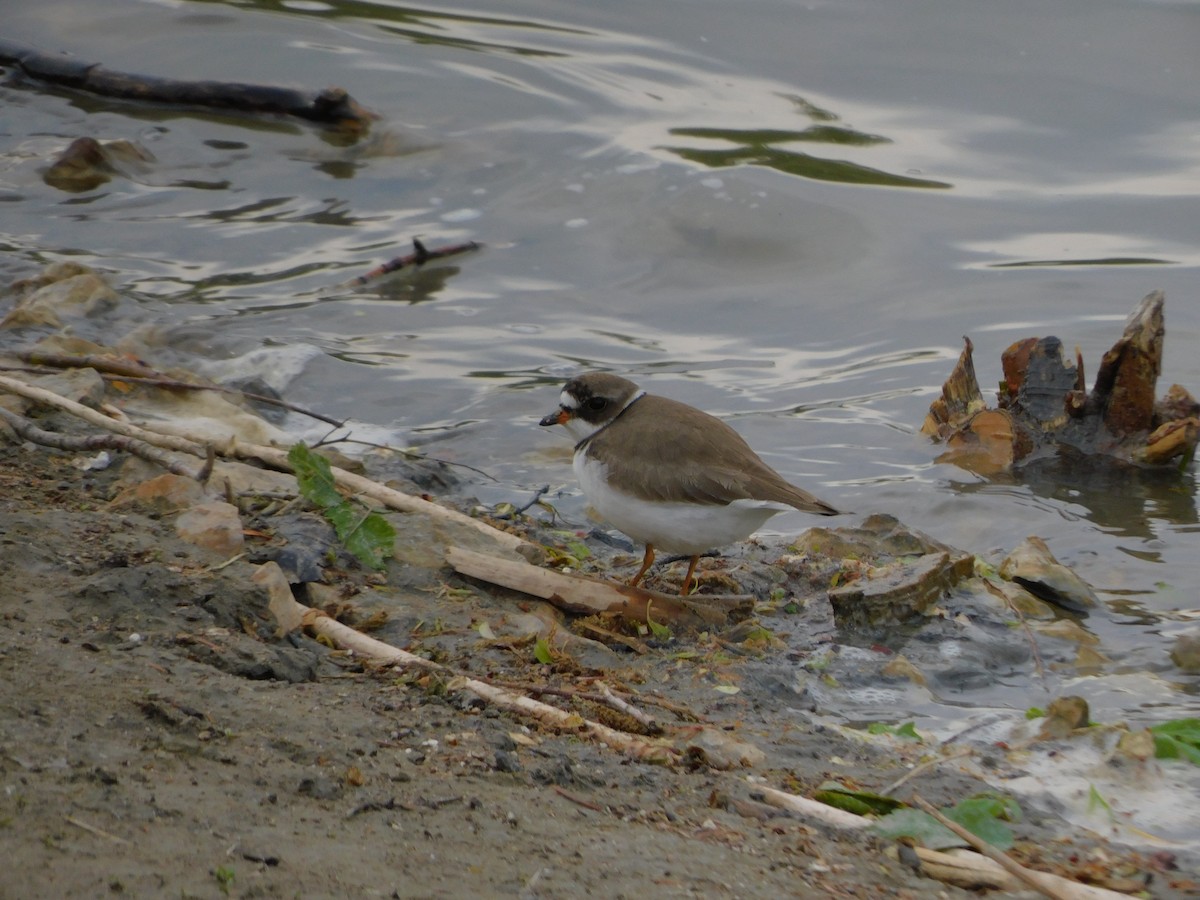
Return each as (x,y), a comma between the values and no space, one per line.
(596,403)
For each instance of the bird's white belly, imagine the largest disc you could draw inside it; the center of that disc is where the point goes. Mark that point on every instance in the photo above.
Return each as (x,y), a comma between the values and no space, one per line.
(673,527)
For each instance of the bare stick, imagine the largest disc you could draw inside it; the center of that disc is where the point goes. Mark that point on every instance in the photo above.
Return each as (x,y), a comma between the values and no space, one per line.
(99,419)
(1036,880)
(583,595)
(88,442)
(917,770)
(99,832)
(812,809)
(420,255)
(624,706)
(273,456)
(389,497)
(114,369)
(292,615)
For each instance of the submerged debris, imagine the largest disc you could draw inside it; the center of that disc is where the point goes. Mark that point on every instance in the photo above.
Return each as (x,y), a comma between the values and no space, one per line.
(1044,407)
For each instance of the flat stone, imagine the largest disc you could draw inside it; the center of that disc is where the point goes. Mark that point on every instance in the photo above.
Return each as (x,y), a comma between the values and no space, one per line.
(215,526)
(1186,653)
(899,590)
(163,494)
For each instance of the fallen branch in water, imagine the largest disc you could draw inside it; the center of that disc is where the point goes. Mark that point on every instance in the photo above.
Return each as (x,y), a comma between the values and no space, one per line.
(331,106)
(420,255)
(583,595)
(292,615)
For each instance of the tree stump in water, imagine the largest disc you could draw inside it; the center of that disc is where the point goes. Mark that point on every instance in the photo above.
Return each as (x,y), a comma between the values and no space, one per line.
(1044,407)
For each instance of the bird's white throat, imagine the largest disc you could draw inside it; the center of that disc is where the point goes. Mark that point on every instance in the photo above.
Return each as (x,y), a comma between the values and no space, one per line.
(579,428)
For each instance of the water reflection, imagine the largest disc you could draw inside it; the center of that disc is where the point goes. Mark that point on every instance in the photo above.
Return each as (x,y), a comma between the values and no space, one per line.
(760,146)
(428,26)
(1124,500)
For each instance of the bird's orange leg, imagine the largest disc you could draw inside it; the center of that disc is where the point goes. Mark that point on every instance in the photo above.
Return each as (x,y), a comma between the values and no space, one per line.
(687,579)
(647,562)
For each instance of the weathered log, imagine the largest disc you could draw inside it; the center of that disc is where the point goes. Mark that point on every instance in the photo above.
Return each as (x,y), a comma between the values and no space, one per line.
(331,106)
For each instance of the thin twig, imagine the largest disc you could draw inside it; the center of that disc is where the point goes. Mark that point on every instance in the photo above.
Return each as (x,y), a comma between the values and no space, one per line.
(272,456)
(113,369)
(578,801)
(410,454)
(627,708)
(537,496)
(918,769)
(1037,657)
(420,255)
(1028,876)
(99,832)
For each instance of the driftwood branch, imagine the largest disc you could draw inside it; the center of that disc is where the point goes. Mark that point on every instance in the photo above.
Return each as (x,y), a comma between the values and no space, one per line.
(420,255)
(330,106)
(292,615)
(272,456)
(585,596)
(123,370)
(26,430)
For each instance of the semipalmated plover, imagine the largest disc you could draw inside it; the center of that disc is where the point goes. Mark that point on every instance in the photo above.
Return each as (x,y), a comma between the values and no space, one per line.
(668,474)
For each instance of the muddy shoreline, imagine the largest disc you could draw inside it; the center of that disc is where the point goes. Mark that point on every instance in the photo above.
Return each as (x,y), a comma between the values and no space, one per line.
(157,739)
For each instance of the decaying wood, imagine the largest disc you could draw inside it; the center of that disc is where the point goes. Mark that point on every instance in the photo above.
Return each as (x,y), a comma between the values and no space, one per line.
(330,106)
(973,872)
(1043,406)
(583,595)
(1053,886)
(292,615)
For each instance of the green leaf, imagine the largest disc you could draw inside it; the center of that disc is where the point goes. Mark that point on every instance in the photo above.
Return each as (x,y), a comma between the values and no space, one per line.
(579,549)
(924,828)
(662,632)
(861,802)
(1035,712)
(1096,801)
(542,653)
(907,730)
(981,816)
(367,535)
(371,540)
(1177,739)
(314,476)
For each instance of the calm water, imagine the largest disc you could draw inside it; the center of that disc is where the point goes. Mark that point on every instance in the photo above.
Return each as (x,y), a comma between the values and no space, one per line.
(786,213)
